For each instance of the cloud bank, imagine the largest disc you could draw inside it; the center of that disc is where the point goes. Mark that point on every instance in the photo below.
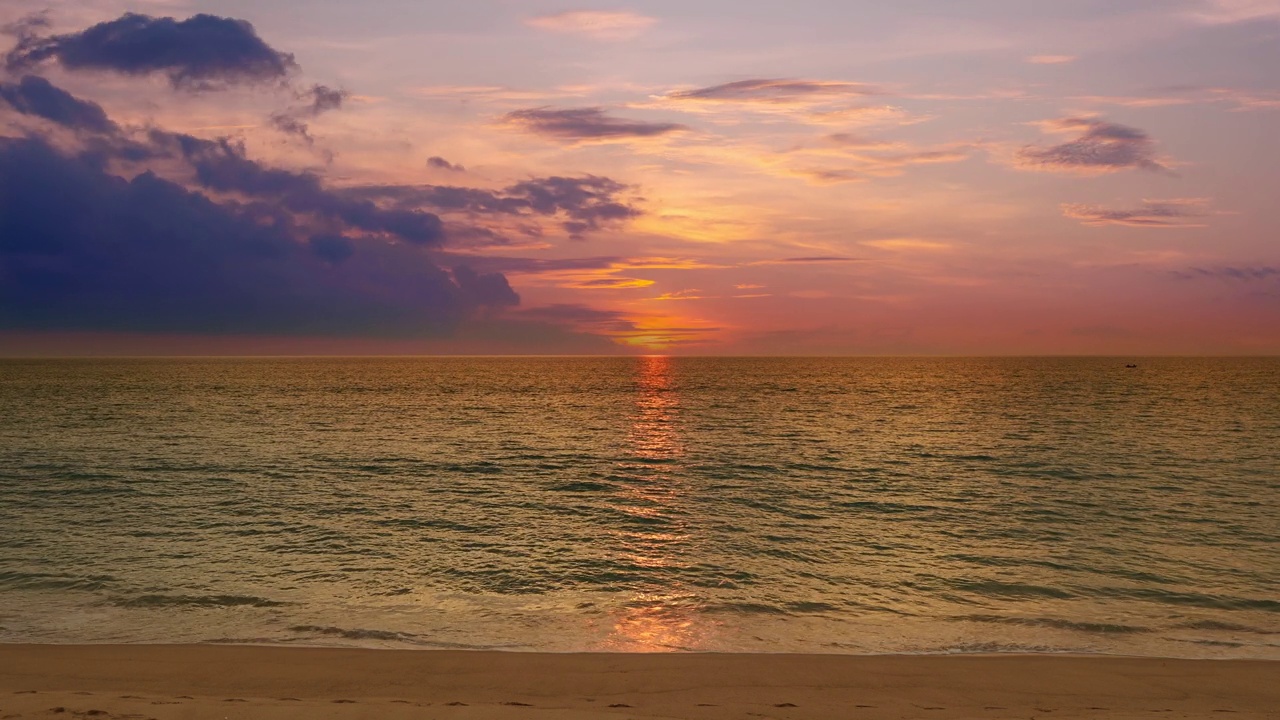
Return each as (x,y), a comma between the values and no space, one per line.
(91,239)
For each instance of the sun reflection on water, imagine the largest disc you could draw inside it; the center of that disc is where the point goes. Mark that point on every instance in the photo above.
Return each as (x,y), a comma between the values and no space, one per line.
(662,615)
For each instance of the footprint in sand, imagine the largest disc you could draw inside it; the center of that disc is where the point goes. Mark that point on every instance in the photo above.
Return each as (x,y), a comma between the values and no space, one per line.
(786,705)
(350,702)
(619,705)
(517,704)
(455,703)
(25,692)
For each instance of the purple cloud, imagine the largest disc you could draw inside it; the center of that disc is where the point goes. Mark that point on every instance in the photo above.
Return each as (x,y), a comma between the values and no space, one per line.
(201,52)
(1176,213)
(773,91)
(1101,147)
(585,124)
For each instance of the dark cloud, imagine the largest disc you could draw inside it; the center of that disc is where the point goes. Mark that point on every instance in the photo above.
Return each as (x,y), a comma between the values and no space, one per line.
(585,124)
(773,91)
(34,95)
(442,164)
(611,283)
(324,99)
(319,99)
(201,52)
(1248,273)
(580,316)
(333,248)
(27,27)
(223,166)
(81,249)
(522,265)
(1178,213)
(493,287)
(242,248)
(807,260)
(1101,147)
(587,203)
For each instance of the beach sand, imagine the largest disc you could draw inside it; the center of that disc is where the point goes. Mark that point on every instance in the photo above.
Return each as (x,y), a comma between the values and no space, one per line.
(115,682)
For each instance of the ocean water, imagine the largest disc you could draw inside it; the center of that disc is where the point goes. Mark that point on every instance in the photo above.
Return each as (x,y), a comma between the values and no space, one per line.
(646,504)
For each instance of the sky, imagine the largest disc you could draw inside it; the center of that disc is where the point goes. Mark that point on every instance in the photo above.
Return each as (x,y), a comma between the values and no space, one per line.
(973,177)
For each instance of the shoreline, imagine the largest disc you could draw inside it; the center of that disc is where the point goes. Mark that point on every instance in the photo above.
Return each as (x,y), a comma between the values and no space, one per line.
(275,683)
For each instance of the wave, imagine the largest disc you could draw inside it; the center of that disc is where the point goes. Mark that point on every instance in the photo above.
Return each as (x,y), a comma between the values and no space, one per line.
(1225,627)
(1169,597)
(200,601)
(1057,623)
(13,580)
(357,634)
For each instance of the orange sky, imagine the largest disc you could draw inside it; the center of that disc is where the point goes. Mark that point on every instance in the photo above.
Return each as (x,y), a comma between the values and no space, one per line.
(825,178)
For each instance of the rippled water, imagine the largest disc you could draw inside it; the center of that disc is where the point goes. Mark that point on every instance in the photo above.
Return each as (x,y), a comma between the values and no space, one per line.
(818,505)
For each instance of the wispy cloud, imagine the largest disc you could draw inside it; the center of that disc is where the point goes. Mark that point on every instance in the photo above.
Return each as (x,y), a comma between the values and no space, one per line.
(1222,12)
(1051,59)
(318,99)
(609,283)
(1174,213)
(808,260)
(582,204)
(864,159)
(595,24)
(773,92)
(1248,273)
(1237,99)
(864,116)
(690,294)
(907,244)
(591,124)
(1100,147)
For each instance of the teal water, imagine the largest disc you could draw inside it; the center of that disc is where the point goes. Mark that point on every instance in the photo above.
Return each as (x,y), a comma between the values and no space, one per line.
(646,504)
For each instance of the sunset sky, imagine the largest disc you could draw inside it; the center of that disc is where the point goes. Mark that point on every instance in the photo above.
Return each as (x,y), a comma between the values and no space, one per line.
(706,177)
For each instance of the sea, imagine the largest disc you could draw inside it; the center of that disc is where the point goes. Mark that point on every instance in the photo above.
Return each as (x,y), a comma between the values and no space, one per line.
(1118,506)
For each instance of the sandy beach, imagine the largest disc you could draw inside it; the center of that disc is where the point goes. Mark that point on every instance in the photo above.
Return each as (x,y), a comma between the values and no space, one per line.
(208,681)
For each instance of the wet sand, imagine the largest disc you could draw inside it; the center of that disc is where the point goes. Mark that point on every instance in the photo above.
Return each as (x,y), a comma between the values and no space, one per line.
(198,682)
